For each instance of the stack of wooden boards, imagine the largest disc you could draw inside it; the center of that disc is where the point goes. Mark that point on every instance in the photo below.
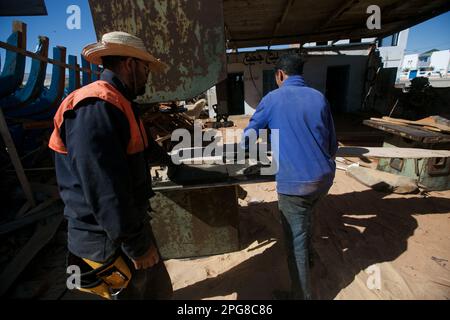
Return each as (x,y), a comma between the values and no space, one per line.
(161,125)
(432,123)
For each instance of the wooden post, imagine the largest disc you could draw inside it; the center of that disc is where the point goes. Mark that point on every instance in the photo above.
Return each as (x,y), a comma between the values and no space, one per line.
(9,143)
(22,28)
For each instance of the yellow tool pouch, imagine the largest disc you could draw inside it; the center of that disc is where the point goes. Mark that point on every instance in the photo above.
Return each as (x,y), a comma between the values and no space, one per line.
(106,279)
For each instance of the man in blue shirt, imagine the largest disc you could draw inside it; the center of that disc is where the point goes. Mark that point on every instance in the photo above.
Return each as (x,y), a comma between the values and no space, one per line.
(306,148)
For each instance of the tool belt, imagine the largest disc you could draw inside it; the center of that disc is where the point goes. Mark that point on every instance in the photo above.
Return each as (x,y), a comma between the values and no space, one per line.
(103,279)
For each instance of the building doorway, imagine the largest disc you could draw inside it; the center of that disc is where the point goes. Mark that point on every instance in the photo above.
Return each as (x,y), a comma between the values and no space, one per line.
(235,93)
(337,88)
(269,82)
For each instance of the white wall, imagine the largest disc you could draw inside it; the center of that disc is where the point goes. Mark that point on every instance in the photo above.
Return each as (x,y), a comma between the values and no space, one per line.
(315,74)
(392,56)
(440,61)
(211,96)
(410,61)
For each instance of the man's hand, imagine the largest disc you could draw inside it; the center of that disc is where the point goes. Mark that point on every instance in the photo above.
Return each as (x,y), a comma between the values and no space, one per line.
(149,259)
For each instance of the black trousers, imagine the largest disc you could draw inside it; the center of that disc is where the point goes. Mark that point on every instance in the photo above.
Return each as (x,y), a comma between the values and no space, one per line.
(149,284)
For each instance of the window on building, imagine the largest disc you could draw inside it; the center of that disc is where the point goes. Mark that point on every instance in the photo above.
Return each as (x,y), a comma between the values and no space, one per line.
(390,41)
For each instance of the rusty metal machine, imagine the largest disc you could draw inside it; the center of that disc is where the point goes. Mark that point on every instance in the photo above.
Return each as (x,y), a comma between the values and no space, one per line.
(431,173)
(197,214)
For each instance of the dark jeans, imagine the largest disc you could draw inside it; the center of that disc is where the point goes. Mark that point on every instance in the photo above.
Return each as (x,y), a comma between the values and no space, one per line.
(296,219)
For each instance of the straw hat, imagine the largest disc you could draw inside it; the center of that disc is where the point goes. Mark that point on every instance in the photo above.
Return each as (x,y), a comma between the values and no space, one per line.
(118,43)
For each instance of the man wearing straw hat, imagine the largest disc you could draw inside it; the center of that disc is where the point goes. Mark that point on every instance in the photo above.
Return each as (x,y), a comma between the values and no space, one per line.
(101,158)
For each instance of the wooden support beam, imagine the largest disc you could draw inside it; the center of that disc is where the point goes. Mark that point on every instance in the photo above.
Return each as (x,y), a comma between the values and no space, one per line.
(11,76)
(340,9)
(281,21)
(55,209)
(44,232)
(9,143)
(23,96)
(33,55)
(19,26)
(86,76)
(384,152)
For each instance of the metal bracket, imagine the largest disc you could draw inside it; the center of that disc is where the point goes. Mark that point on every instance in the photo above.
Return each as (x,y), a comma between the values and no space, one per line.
(438,166)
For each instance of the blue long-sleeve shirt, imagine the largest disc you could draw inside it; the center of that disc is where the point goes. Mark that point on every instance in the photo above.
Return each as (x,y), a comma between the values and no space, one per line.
(307,140)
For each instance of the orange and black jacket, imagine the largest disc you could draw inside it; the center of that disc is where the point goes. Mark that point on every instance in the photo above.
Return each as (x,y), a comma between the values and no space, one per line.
(101,158)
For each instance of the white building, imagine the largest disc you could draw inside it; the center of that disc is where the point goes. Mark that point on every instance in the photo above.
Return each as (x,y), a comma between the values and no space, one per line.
(410,61)
(391,48)
(433,64)
(341,70)
(440,61)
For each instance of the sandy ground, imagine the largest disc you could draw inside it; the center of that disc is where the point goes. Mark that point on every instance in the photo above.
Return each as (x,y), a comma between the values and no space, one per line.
(360,236)
(367,245)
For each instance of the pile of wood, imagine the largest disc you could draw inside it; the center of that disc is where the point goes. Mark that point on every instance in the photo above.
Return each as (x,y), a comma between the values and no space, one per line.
(432,123)
(161,125)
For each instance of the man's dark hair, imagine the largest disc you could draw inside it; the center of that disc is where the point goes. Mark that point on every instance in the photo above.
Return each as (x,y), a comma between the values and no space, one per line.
(292,64)
(111,62)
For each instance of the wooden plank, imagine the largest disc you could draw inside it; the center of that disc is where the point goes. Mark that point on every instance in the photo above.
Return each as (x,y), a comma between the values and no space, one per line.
(23,209)
(429,122)
(19,26)
(49,189)
(12,74)
(39,207)
(22,96)
(36,56)
(9,143)
(44,232)
(29,219)
(383,152)
(74,75)
(412,133)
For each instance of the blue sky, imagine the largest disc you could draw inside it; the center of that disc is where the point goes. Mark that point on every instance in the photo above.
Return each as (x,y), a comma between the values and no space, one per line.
(431,34)
(428,35)
(54,27)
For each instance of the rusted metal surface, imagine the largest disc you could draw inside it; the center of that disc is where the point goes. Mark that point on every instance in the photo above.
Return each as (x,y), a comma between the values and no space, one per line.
(192,223)
(186,35)
(431,173)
